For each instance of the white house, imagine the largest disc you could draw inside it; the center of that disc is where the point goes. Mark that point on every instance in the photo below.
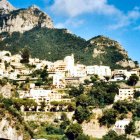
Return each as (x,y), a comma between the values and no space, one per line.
(125,72)
(58,80)
(125,94)
(98,70)
(40,95)
(4,53)
(120,125)
(119,71)
(129,73)
(79,71)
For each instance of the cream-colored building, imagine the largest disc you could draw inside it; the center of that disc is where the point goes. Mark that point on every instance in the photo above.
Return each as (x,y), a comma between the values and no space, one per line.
(98,70)
(125,72)
(45,95)
(79,71)
(58,80)
(125,94)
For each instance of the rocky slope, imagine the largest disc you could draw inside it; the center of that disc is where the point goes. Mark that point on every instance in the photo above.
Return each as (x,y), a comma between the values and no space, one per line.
(12,125)
(5,7)
(21,20)
(110,51)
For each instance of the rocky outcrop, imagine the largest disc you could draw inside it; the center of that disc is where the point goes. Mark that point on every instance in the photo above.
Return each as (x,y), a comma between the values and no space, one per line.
(12,125)
(22,20)
(5,91)
(7,131)
(5,7)
(127,63)
(106,48)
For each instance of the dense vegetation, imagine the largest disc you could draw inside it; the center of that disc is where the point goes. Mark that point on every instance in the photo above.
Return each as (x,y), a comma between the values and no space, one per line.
(48,44)
(99,95)
(120,110)
(9,109)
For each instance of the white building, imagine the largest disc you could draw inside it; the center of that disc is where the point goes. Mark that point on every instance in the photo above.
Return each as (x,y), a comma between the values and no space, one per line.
(79,71)
(98,70)
(4,53)
(119,71)
(48,96)
(118,77)
(69,60)
(120,125)
(132,72)
(58,80)
(125,72)
(125,94)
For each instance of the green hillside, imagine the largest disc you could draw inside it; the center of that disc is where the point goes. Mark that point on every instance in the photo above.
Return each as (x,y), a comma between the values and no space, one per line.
(55,44)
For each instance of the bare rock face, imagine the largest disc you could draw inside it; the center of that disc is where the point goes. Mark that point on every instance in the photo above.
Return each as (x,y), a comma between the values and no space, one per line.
(7,131)
(22,20)
(12,127)
(5,7)
(6,91)
(127,63)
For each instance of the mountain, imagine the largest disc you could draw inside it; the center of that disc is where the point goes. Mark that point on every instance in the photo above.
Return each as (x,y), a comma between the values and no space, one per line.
(110,52)
(21,20)
(34,29)
(5,7)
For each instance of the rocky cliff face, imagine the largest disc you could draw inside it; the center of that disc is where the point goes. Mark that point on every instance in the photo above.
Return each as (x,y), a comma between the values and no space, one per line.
(11,127)
(22,20)
(7,131)
(5,7)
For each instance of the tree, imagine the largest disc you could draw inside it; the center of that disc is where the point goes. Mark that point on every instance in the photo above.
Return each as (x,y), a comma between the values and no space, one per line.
(6,64)
(44,75)
(83,137)
(25,56)
(76,91)
(94,78)
(83,100)
(136,94)
(133,79)
(108,118)
(130,128)
(64,124)
(138,111)
(136,63)
(73,131)
(3,81)
(63,116)
(71,106)
(42,106)
(86,81)
(111,135)
(107,78)
(121,106)
(81,114)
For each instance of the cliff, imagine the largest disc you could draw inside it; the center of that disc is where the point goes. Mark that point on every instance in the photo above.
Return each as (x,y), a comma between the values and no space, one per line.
(21,20)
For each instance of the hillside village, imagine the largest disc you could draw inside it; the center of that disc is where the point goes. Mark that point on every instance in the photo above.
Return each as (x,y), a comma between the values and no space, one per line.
(55,85)
(52,87)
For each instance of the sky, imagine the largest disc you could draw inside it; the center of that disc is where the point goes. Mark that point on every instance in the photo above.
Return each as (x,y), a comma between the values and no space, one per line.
(116,19)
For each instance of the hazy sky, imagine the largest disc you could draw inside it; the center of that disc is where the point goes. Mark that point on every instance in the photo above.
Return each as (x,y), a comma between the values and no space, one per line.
(117,19)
